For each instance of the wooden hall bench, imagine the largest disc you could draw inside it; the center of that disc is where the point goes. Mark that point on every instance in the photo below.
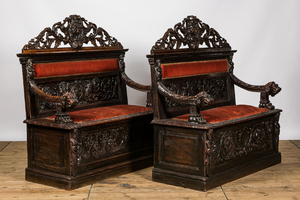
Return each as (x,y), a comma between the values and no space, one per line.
(80,128)
(202,139)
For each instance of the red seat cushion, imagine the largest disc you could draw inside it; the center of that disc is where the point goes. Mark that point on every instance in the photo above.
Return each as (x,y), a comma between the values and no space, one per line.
(225,113)
(105,112)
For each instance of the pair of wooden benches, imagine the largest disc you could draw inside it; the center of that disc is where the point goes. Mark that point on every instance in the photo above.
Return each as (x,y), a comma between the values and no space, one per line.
(80,128)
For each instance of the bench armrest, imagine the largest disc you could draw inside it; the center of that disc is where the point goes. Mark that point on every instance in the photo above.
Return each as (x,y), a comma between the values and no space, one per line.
(202,99)
(270,88)
(67,100)
(128,81)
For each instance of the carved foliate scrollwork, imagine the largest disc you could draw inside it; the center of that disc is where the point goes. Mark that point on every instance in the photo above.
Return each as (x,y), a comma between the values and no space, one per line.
(121,63)
(208,152)
(192,32)
(277,131)
(30,69)
(234,144)
(158,70)
(75,31)
(86,91)
(90,146)
(73,152)
(215,87)
(230,63)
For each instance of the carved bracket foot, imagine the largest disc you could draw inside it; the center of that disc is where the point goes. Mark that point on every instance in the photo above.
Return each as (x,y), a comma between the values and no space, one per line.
(197,119)
(195,116)
(267,105)
(149,100)
(265,102)
(63,118)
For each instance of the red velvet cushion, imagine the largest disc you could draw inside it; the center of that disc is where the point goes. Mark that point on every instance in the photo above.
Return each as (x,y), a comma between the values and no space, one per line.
(193,68)
(105,112)
(226,113)
(75,67)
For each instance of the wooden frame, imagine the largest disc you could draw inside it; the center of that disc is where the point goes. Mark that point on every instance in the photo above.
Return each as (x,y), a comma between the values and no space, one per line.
(195,153)
(69,154)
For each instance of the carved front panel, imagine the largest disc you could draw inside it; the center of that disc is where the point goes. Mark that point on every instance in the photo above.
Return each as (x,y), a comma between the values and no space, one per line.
(86,91)
(237,143)
(215,87)
(92,146)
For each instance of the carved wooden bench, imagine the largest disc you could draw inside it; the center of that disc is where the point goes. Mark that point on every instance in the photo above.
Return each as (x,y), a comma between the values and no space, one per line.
(202,139)
(80,128)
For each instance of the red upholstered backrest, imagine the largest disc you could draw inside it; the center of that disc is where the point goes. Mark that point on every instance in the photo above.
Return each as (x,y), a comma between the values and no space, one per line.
(183,69)
(75,67)
(95,82)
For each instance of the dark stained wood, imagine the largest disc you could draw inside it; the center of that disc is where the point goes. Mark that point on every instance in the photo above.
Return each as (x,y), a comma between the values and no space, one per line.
(67,154)
(196,154)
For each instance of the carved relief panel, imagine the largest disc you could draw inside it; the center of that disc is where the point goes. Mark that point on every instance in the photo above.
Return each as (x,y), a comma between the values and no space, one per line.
(91,146)
(215,87)
(86,90)
(232,144)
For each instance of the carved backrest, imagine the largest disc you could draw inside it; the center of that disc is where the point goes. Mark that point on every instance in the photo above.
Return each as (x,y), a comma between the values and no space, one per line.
(90,68)
(188,59)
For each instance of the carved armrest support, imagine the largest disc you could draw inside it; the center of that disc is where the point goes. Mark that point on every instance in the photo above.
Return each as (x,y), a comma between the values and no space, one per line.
(140,87)
(133,84)
(202,99)
(67,100)
(270,88)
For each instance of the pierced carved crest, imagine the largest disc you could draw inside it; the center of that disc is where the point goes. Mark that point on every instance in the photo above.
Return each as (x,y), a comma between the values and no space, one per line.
(192,32)
(75,31)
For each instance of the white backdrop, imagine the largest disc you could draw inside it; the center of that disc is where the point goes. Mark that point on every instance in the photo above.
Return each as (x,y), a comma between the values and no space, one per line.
(265,33)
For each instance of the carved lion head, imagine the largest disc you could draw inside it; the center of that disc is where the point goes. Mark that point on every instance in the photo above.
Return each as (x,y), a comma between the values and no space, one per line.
(204,99)
(71,100)
(272,88)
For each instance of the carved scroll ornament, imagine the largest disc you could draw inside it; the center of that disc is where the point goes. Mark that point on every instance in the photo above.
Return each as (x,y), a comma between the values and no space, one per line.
(192,32)
(75,31)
